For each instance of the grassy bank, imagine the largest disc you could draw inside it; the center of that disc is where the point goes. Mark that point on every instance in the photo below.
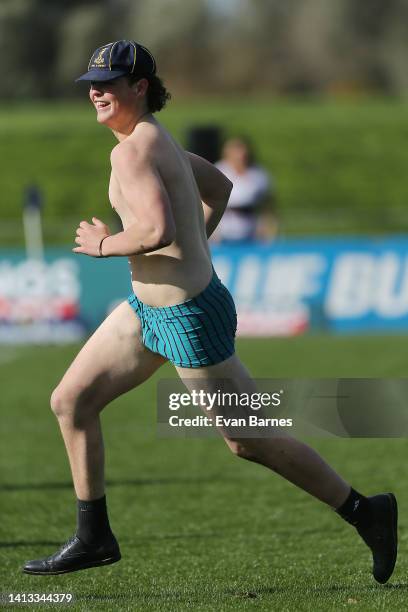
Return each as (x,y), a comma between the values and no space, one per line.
(339,167)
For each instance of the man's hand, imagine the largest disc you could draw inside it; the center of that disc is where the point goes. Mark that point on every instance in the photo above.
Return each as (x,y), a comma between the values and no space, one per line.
(89,236)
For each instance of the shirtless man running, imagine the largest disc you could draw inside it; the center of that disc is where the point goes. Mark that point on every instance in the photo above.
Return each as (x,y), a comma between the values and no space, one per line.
(169,202)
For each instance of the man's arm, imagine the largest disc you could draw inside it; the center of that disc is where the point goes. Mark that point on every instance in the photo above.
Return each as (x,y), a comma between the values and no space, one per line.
(214,188)
(146,196)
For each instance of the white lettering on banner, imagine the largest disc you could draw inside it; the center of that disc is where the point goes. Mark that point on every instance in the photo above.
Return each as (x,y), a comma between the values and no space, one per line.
(362,283)
(291,278)
(392,286)
(64,274)
(349,293)
(30,278)
(7,279)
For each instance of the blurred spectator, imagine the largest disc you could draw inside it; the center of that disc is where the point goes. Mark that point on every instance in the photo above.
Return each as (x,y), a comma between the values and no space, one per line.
(245,218)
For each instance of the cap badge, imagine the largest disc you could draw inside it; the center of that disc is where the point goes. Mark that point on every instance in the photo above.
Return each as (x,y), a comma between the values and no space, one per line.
(100,60)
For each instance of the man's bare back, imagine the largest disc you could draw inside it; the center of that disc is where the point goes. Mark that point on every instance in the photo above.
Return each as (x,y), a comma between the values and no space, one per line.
(183,268)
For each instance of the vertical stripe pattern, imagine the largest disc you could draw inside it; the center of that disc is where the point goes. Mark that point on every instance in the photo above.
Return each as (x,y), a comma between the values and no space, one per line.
(199,332)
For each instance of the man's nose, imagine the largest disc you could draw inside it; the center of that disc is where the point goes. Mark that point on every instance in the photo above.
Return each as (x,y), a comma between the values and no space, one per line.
(96,89)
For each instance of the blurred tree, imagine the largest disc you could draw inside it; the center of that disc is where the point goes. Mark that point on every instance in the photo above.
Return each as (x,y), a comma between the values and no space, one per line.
(364,25)
(179,34)
(393,47)
(248,45)
(37,42)
(312,55)
(28,42)
(84,28)
(208,46)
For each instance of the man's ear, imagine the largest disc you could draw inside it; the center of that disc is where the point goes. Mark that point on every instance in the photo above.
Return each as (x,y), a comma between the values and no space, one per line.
(140,87)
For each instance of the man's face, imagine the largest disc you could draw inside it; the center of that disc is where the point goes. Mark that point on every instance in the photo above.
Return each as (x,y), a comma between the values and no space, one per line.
(116,101)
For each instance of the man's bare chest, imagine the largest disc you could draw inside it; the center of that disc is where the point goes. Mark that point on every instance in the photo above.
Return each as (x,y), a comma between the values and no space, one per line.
(117,200)
(115,196)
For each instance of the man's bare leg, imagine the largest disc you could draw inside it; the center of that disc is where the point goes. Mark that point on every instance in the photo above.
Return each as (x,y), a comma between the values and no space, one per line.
(112,362)
(290,458)
(375,518)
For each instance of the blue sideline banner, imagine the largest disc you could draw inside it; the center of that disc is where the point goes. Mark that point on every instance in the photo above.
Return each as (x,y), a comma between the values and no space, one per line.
(60,299)
(356,285)
(284,288)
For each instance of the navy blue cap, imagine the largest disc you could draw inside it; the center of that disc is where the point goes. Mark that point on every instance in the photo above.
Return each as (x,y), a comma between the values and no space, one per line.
(117,59)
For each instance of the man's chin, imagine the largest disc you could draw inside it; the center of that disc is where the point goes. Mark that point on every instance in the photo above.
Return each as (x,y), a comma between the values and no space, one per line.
(104,118)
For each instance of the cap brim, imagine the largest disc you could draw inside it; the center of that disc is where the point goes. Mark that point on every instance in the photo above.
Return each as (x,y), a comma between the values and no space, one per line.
(101,75)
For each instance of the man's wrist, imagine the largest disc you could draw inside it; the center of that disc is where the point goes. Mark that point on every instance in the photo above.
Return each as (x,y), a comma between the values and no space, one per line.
(100,246)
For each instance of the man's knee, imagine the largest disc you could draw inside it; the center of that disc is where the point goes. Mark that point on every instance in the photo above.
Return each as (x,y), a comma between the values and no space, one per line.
(73,403)
(244,449)
(63,401)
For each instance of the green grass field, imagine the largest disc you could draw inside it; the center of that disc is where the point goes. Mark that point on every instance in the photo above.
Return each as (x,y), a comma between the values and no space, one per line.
(340,167)
(199,529)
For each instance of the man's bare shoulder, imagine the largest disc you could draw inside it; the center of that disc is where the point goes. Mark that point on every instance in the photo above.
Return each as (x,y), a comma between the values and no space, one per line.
(125,153)
(137,148)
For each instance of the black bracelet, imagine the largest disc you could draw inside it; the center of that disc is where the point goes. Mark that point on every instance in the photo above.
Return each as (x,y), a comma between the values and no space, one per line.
(100,246)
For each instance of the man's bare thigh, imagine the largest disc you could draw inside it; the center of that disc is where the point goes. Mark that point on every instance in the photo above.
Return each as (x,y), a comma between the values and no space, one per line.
(231,371)
(113,360)
(228,377)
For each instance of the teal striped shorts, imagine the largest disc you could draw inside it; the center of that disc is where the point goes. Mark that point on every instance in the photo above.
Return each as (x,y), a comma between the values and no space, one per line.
(198,332)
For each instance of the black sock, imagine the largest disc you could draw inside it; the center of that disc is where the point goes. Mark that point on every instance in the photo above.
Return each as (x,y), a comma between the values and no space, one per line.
(356,510)
(93,523)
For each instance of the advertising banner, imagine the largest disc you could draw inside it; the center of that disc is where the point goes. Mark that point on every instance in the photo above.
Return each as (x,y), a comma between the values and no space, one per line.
(60,299)
(355,285)
(284,288)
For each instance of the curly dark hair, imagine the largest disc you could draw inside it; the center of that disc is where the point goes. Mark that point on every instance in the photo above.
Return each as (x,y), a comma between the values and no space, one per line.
(157,95)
